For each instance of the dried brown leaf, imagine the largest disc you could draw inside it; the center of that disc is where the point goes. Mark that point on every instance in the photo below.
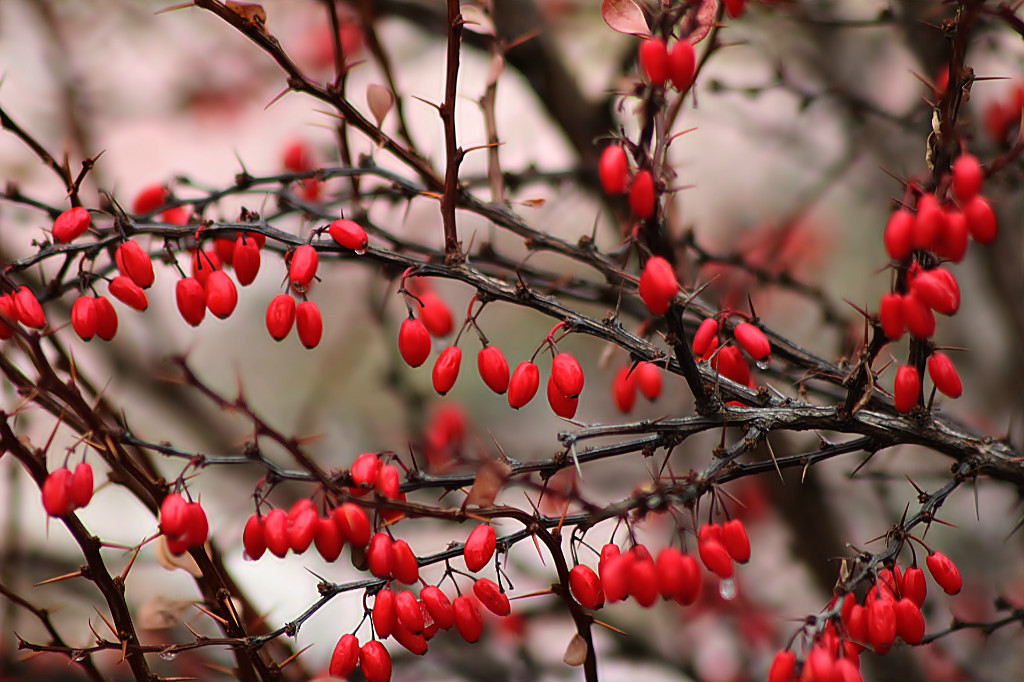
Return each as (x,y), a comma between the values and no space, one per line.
(576,652)
(625,16)
(380,101)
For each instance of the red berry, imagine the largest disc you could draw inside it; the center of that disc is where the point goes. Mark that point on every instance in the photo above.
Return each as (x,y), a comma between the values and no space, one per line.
(387,484)
(654,61)
(83,317)
(945,573)
(309,324)
(378,555)
(225,249)
(493,368)
(944,374)
(345,656)
(27,308)
(128,292)
(981,220)
(704,336)
(364,473)
(415,643)
(642,197)
(716,557)
(938,290)
(327,538)
(783,667)
(648,380)
(303,266)
(275,526)
(909,621)
(729,362)
(735,9)
(952,244)
(967,177)
(682,63)
(7,312)
(221,294)
(913,585)
(297,156)
(468,619)
(881,625)
(106,318)
(567,374)
(624,389)
(906,388)
(890,314)
(197,526)
(491,596)
(409,614)
(71,224)
(245,257)
(524,384)
(254,537)
(404,566)
(734,537)
(280,316)
(614,169)
(919,318)
(436,314)
(752,340)
(899,234)
(643,581)
(204,262)
(349,234)
(586,587)
(658,285)
(302,522)
(81,484)
(384,615)
(191,299)
(480,547)
(670,571)
(354,524)
(562,406)
(57,492)
(375,662)
(616,572)
(414,342)
(149,199)
(930,222)
(439,606)
(133,261)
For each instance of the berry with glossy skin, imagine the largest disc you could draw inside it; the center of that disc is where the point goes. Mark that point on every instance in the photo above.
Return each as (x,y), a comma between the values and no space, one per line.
(275,527)
(913,585)
(945,573)
(364,473)
(524,384)
(624,389)
(345,656)
(682,64)
(403,563)
(7,312)
(27,308)
(704,337)
(899,234)
(918,317)
(388,482)
(952,244)
(349,234)
(378,555)
(752,340)
(190,296)
(71,224)
(909,621)
(254,537)
(643,579)
(585,586)
(716,557)
(303,266)
(493,368)
(204,262)
(128,292)
(83,317)
(439,606)
(658,285)
(613,169)
(967,177)
(906,388)
(615,571)
(981,220)
(245,257)
(654,61)
(890,315)
(730,363)
(409,614)
(491,596)
(309,324)
(280,316)
(881,625)
(648,380)
(149,199)
(302,522)
(783,667)
(354,524)
(734,537)
(81,484)
(480,547)
(938,290)
(642,195)
(57,492)
(944,375)
(133,261)
(930,222)
(468,619)
(375,662)
(436,314)
(106,318)
(221,294)
(415,643)
(414,342)
(384,615)
(562,406)
(567,374)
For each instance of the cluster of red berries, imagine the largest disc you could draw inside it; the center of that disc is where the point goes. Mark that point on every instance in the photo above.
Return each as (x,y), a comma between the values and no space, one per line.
(644,376)
(183,523)
(64,491)
(891,609)
(20,307)
(728,360)
(674,575)
(302,526)
(919,242)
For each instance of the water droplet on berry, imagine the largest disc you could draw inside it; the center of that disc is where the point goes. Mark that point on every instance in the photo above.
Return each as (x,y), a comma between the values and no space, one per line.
(361,252)
(168,655)
(762,364)
(727,589)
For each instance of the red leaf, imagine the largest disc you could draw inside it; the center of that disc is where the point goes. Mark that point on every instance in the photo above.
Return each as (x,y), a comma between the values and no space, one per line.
(703,20)
(625,16)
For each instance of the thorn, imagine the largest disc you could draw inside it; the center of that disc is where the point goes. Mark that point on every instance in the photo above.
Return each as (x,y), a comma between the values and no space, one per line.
(66,576)
(609,627)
